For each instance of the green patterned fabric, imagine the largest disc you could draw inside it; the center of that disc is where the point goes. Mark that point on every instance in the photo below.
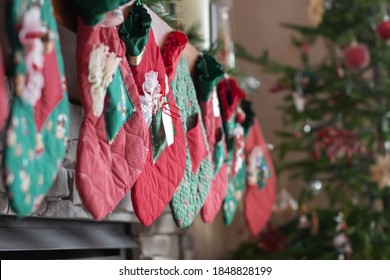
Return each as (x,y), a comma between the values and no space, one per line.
(219,156)
(192,191)
(119,107)
(135,30)
(247,107)
(92,11)
(209,72)
(33,153)
(236,186)
(234,195)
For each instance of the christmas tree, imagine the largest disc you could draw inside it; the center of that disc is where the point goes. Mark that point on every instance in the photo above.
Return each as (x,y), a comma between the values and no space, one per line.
(336,117)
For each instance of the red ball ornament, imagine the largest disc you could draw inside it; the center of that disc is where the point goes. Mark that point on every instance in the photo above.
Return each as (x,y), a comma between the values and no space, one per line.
(384,29)
(357,56)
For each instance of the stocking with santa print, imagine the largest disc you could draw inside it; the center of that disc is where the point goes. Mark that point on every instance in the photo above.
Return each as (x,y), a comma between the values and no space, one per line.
(37,130)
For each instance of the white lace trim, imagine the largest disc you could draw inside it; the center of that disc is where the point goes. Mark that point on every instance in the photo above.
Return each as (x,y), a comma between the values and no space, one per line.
(101,69)
(151,100)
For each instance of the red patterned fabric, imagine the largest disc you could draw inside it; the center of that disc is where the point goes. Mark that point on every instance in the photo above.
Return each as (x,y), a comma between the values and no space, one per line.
(106,172)
(52,93)
(3,96)
(173,49)
(230,95)
(156,186)
(258,203)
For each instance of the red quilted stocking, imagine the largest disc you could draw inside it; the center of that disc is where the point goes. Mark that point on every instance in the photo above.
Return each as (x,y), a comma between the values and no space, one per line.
(165,164)
(208,74)
(114,140)
(260,193)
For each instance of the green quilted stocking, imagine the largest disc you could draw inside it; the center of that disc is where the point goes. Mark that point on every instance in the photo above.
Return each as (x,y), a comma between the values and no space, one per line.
(192,191)
(37,133)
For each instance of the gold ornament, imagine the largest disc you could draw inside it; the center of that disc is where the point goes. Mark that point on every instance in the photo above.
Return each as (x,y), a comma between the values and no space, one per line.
(316,11)
(380,171)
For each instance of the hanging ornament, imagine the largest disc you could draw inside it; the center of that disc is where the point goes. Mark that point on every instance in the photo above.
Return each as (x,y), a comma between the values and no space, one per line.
(299,101)
(315,186)
(285,204)
(251,83)
(335,144)
(298,94)
(380,171)
(303,219)
(328,4)
(342,245)
(341,241)
(340,71)
(316,11)
(383,28)
(356,56)
(307,128)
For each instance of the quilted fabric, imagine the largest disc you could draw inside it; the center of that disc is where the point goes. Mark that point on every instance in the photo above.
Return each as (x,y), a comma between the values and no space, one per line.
(3,96)
(193,189)
(258,199)
(108,163)
(230,96)
(208,74)
(37,132)
(165,163)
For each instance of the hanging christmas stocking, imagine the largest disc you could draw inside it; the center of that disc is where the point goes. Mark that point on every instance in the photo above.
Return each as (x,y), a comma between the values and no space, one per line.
(37,132)
(261,181)
(230,95)
(208,74)
(165,164)
(113,142)
(193,189)
(3,96)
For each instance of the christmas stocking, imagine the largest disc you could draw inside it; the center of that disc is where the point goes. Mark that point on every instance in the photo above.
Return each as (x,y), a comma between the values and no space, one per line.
(113,142)
(208,74)
(3,96)
(165,163)
(261,181)
(37,132)
(193,189)
(230,95)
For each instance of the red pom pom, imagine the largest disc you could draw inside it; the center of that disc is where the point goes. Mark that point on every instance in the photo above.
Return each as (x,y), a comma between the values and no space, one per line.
(357,56)
(384,29)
